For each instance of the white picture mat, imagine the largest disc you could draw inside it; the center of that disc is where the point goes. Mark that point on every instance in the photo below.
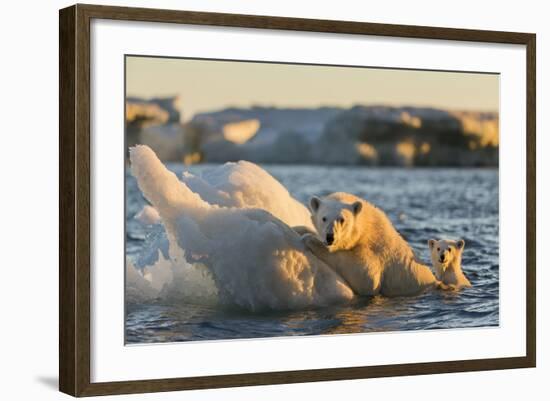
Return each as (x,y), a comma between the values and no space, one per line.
(112,361)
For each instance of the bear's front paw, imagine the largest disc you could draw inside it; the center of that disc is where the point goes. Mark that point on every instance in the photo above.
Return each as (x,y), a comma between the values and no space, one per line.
(440,285)
(302,230)
(312,242)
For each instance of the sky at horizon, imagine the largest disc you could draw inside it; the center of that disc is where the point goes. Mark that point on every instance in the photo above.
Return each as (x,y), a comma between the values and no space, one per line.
(208,85)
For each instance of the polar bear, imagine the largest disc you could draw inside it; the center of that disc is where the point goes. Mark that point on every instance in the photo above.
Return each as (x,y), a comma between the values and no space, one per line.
(360,243)
(447,260)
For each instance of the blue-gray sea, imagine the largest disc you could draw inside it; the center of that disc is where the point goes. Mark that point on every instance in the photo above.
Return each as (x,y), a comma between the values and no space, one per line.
(422,204)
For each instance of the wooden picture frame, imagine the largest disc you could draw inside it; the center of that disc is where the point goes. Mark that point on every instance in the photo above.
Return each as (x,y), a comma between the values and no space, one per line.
(75,206)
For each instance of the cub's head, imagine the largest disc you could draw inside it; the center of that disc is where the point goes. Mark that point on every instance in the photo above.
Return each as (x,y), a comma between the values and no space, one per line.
(335,221)
(444,252)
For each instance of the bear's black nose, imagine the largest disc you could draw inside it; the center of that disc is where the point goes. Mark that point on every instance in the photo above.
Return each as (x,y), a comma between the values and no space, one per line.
(330,238)
(442,258)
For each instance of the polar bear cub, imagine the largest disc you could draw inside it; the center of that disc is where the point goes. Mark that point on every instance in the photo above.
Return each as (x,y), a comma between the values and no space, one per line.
(358,241)
(447,262)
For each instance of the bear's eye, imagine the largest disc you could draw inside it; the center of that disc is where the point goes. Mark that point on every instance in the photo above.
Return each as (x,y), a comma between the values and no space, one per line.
(324,219)
(438,249)
(341,220)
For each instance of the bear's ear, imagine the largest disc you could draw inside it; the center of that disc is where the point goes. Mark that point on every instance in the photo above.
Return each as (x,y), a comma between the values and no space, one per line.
(314,203)
(431,243)
(356,207)
(460,244)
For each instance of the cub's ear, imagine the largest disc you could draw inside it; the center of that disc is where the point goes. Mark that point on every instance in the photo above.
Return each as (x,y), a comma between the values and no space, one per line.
(314,203)
(460,244)
(356,207)
(431,243)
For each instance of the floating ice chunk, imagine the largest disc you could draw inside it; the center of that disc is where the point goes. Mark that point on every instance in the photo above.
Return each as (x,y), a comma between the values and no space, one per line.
(247,185)
(254,258)
(148,216)
(170,279)
(138,289)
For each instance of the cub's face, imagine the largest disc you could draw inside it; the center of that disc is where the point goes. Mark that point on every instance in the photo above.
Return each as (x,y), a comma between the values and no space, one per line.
(334,221)
(445,251)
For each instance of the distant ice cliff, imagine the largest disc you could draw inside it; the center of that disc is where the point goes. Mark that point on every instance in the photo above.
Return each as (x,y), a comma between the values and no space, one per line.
(370,135)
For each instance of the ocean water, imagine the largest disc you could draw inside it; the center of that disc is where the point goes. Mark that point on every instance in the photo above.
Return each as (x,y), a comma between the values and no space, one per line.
(422,204)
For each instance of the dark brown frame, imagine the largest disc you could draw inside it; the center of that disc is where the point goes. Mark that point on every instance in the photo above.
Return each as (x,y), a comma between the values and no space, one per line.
(74,199)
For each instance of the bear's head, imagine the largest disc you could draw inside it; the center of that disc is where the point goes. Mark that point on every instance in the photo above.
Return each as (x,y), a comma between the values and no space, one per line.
(444,252)
(335,221)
